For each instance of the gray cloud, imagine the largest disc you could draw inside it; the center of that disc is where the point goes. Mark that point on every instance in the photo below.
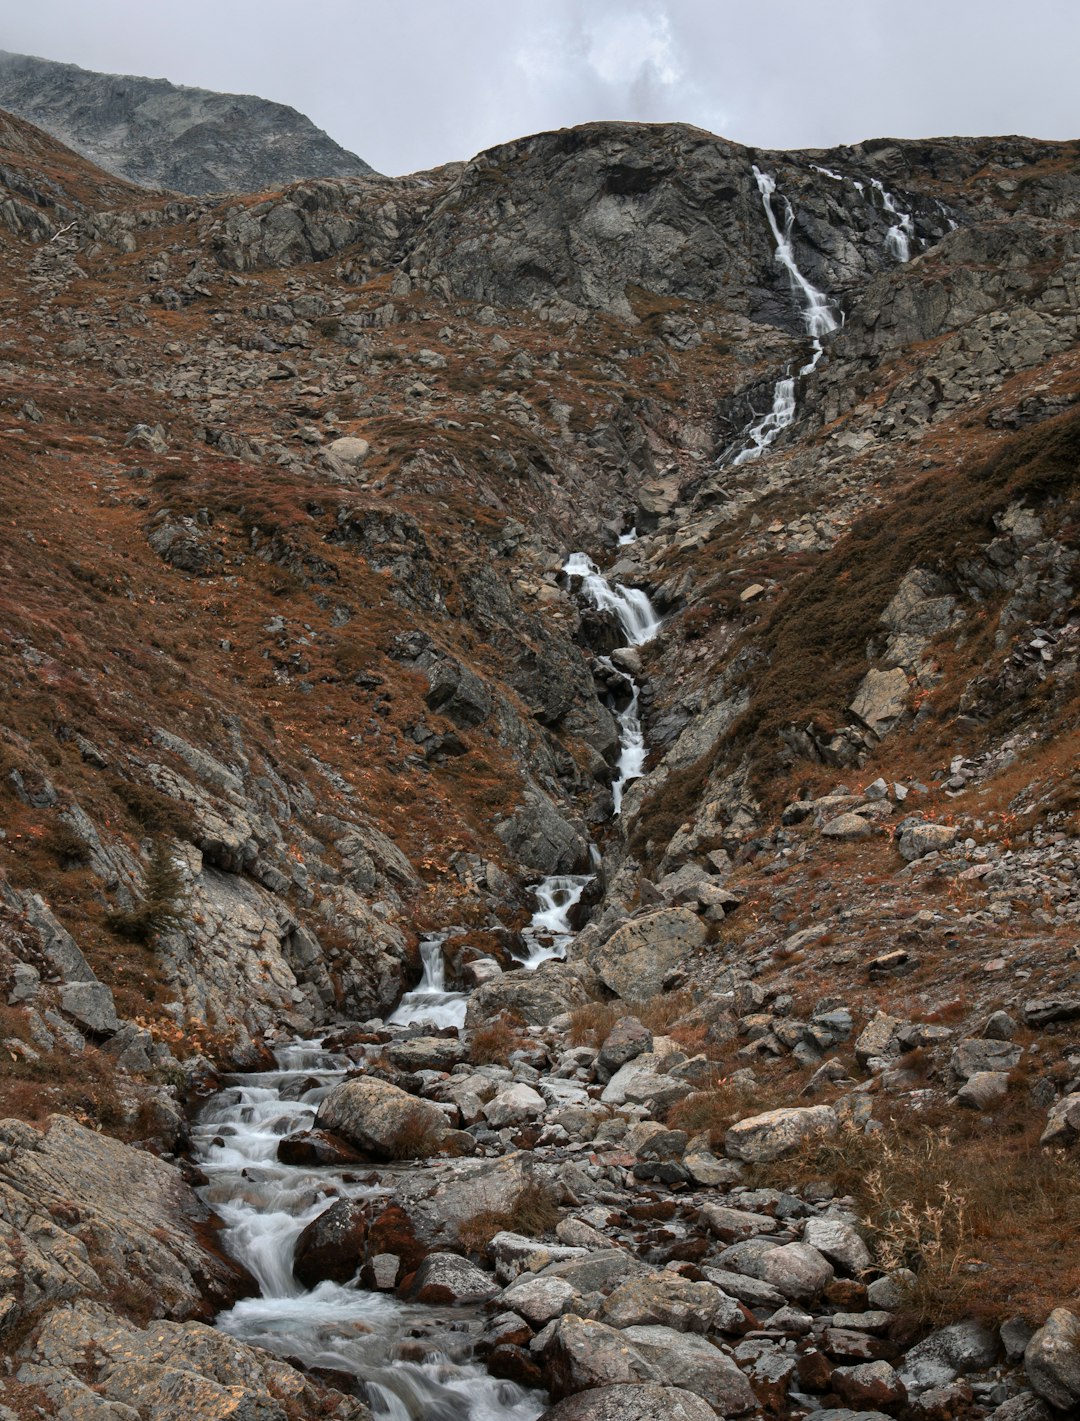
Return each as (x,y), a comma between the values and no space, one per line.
(410,86)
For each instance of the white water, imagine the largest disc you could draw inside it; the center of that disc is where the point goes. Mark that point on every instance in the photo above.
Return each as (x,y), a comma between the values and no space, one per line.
(632,608)
(549,933)
(626,538)
(817,310)
(639,624)
(901,234)
(429,1001)
(761,432)
(265,1205)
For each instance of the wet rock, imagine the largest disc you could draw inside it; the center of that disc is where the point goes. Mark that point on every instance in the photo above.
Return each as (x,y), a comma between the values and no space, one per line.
(761,1138)
(636,959)
(646,1402)
(447,1278)
(692,1362)
(1052,1360)
(331,1247)
(317,1147)
(383,1121)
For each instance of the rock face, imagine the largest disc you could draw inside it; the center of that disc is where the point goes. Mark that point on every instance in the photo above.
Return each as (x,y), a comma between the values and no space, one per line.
(169,135)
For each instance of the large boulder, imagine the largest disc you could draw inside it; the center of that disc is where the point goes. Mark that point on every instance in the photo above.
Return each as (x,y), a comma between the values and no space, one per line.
(636,958)
(581,1354)
(448,1278)
(1052,1361)
(647,1402)
(331,1247)
(947,1354)
(761,1138)
(536,997)
(663,1299)
(382,1120)
(685,1360)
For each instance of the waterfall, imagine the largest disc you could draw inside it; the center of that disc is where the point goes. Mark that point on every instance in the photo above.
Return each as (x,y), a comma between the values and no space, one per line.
(817,310)
(761,432)
(429,1001)
(633,609)
(549,933)
(901,234)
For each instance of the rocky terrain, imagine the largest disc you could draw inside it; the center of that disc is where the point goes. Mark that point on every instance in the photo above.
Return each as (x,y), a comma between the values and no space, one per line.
(300,706)
(171,136)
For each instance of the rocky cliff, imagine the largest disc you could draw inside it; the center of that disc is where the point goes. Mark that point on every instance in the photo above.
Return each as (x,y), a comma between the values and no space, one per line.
(294,678)
(174,136)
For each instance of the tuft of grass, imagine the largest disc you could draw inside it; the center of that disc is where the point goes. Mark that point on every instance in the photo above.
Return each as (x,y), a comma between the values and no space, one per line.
(533,1213)
(493,1043)
(415,1137)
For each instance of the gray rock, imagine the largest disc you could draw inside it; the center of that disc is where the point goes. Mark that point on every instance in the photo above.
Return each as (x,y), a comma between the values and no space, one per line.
(513,1106)
(552,990)
(91,1005)
(846,827)
(426,1053)
(685,1360)
(917,840)
(663,1299)
(447,1278)
(1025,1407)
(947,1354)
(626,1039)
(880,700)
(840,1243)
(1042,1011)
(982,1090)
(580,1354)
(646,1402)
(538,1300)
(977,1054)
(540,838)
(637,957)
(1000,1027)
(1062,1122)
(761,1138)
(383,1121)
(797,1269)
(1052,1360)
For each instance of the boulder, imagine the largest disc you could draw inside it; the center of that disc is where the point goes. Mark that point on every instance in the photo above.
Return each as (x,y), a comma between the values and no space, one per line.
(426,1053)
(868,1384)
(536,997)
(846,827)
(513,1106)
(580,1354)
(383,1121)
(761,1138)
(840,1243)
(647,1402)
(331,1247)
(1052,1361)
(797,1270)
(91,1006)
(538,1300)
(1063,1121)
(731,1225)
(880,700)
(982,1090)
(636,959)
(626,1040)
(947,1354)
(976,1055)
(664,1299)
(540,838)
(917,840)
(317,1147)
(448,1278)
(692,1362)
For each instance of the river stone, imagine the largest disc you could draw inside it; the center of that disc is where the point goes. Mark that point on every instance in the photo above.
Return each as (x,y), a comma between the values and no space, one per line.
(1052,1360)
(685,1360)
(647,1402)
(761,1138)
(317,1147)
(383,1121)
(637,957)
(580,1354)
(448,1278)
(599,1271)
(665,1299)
(331,1247)
(626,1039)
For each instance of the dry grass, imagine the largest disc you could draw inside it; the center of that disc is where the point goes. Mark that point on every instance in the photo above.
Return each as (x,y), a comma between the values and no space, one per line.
(415,1137)
(534,1212)
(712,1111)
(663,1015)
(494,1043)
(968,1212)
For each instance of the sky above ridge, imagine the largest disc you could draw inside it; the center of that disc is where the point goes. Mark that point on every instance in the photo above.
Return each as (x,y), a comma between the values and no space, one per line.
(409,86)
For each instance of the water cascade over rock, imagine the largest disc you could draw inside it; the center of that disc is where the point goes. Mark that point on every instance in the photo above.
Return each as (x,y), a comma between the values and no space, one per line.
(429,1002)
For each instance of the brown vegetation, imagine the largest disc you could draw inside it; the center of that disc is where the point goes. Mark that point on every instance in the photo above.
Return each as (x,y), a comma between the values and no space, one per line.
(533,1213)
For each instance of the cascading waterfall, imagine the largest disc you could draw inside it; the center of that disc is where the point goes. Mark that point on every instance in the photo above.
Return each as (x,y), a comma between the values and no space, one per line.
(429,1001)
(818,312)
(550,932)
(265,1205)
(901,234)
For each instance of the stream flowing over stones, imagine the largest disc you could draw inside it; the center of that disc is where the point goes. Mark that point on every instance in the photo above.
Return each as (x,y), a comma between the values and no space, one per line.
(414,1360)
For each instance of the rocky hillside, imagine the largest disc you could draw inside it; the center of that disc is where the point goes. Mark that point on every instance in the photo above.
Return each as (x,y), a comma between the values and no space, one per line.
(173,136)
(293,680)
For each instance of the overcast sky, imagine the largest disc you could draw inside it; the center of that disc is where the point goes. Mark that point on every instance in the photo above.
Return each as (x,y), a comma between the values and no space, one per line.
(408,84)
